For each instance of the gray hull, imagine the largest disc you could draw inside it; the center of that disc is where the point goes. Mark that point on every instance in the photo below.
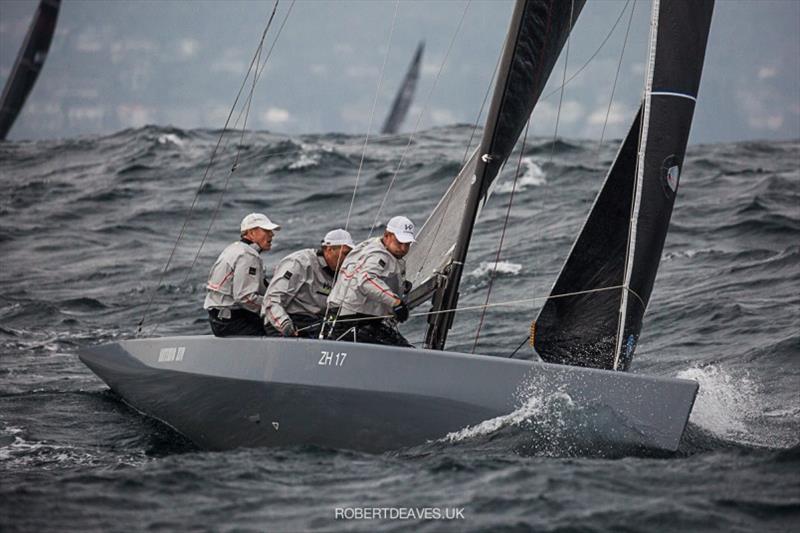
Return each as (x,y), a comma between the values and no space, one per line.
(226,393)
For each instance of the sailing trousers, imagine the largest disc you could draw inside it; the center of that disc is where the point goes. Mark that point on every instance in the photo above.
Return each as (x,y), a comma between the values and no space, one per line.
(366,329)
(308,326)
(241,323)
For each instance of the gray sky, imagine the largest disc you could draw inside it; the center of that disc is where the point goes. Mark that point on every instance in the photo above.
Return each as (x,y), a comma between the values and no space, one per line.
(117,64)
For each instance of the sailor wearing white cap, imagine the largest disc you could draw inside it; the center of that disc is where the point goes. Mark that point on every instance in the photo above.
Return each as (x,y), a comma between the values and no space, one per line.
(297,296)
(236,286)
(372,284)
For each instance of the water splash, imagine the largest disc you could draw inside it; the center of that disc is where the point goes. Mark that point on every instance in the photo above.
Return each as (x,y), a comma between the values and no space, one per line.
(535,407)
(733,407)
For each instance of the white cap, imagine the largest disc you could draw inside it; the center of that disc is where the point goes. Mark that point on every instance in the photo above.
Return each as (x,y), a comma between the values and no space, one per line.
(258,220)
(338,237)
(402,228)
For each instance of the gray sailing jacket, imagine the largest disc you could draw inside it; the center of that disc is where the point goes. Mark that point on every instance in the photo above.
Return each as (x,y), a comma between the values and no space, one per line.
(300,285)
(370,280)
(236,280)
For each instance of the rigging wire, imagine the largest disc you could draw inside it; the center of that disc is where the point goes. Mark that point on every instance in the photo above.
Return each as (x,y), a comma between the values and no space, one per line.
(408,144)
(616,77)
(246,109)
(563,83)
(432,240)
(419,117)
(205,173)
(364,150)
(493,271)
(479,307)
(591,58)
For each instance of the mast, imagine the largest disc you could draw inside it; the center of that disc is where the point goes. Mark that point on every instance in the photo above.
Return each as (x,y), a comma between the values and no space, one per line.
(28,64)
(538,31)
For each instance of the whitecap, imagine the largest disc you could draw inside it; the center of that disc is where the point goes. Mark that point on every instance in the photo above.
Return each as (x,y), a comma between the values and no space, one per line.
(501,267)
(532,175)
(170,138)
(304,161)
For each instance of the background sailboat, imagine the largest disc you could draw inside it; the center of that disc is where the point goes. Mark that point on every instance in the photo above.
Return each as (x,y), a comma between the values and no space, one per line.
(405,94)
(29,63)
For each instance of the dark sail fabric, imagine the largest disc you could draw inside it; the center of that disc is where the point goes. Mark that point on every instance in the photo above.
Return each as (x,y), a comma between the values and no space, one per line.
(682,34)
(402,101)
(436,240)
(576,330)
(534,44)
(538,31)
(28,64)
(581,330)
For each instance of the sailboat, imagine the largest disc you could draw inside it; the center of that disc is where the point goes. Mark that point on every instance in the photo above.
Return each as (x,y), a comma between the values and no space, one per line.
(228,392)
(405,95)
(29,63)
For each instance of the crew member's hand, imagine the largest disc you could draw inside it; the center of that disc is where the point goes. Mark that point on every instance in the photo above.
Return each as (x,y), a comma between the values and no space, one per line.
(288,329)
(401,311)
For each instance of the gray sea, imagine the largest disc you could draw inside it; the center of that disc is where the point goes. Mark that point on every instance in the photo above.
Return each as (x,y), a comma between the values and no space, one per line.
(86,228)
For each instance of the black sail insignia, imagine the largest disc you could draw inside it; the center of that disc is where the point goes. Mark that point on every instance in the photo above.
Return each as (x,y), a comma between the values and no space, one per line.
(28,64)
(589,329)
(405,95)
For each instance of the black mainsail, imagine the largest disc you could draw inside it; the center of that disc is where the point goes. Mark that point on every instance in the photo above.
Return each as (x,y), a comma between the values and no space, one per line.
(619,248)
(28,64)
(538,31)
(405,95)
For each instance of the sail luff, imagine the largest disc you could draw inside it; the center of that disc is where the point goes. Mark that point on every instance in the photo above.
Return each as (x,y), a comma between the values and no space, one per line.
(537,33)
(637,190)
(28,64)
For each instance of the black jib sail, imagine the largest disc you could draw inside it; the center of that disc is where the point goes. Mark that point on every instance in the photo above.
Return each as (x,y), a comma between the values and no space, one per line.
(402,101)
(28,64)
(538,31)
(619,249)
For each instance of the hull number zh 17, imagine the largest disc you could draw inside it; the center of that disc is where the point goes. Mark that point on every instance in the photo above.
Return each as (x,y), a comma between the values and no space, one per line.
(332,358)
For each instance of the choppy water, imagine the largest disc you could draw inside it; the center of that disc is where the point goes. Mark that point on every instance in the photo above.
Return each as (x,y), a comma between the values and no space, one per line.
(86,226)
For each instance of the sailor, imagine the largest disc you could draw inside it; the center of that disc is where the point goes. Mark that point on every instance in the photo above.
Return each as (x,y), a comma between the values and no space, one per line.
(236,285)
(296,299)
(367,299)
